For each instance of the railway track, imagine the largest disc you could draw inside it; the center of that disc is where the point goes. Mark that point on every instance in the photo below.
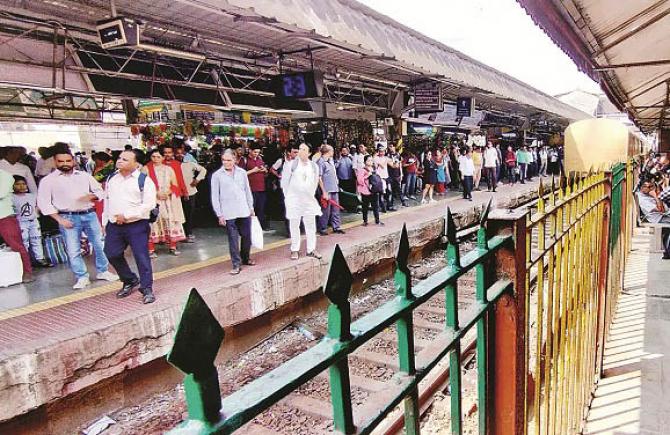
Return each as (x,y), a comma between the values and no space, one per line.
(372,367)
(308,410)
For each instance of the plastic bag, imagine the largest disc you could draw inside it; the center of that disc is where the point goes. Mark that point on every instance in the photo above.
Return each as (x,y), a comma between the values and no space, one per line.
(256,233)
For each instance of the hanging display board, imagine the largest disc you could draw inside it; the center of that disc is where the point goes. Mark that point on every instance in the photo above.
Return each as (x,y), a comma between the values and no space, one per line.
(427,97)
(465,107)
(304,84)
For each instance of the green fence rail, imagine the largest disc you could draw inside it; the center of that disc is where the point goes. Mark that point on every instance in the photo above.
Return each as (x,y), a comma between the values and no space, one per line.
(199,336)
(574,244)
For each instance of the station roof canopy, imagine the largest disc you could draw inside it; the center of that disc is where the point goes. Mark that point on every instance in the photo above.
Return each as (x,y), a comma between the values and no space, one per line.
(359,49)
(621,44)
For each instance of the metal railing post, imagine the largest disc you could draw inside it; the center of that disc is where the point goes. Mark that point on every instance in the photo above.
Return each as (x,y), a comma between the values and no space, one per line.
(453,257)
(337,288)
(405,328)
(197,340)
(507,337)
(604,271)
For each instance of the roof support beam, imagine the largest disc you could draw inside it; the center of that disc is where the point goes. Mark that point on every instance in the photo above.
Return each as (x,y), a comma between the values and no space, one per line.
(633,32)
(634,18)
(633,65)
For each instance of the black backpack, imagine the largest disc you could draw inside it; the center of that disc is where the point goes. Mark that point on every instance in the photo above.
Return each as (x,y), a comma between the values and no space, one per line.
(376,183)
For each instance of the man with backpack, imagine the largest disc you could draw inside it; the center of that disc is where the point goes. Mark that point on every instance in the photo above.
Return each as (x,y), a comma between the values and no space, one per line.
(129,203)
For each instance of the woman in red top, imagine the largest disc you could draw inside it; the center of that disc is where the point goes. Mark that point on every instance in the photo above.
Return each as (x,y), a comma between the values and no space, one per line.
(510,164)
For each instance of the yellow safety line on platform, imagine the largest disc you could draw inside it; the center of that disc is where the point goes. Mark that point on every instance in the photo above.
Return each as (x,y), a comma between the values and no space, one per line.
(114,286)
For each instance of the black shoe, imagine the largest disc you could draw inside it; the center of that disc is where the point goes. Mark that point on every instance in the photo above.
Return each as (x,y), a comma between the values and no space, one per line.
(381,224)
(338,231)
(323,233)
(365,224)
(665,257)
(127,289)
(391,209)
(43,263)
(148,297)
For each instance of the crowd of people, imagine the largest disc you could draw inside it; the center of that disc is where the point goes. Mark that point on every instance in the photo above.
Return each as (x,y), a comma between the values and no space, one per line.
(130,198)
(653,195)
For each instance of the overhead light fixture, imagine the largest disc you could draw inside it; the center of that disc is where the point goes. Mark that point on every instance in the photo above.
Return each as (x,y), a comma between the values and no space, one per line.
(171,52)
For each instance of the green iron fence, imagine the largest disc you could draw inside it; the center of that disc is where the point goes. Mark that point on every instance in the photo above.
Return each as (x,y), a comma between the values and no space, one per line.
(199,336)
(586,220)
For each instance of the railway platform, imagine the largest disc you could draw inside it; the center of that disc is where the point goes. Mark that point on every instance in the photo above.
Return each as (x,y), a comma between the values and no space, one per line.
(56,350)
(633,394)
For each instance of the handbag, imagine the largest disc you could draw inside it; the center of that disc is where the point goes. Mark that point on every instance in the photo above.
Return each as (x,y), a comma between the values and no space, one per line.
(54,248)
(256,233)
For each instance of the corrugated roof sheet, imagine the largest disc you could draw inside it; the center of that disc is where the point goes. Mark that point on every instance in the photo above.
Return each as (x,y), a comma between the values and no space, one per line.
(359,27)
(621,44)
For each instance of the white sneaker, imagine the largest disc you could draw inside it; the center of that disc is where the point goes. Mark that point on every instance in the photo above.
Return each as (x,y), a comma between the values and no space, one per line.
(81,283)
(107,276)
(433,201)
(423,201)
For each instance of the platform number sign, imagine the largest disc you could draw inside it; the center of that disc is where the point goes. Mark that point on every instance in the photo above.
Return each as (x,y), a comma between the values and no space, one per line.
(306,84)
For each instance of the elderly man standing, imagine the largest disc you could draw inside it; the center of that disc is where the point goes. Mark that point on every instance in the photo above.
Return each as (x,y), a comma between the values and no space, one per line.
(130,195)
(299,182)
(67,196)
(330,214)
(233,204)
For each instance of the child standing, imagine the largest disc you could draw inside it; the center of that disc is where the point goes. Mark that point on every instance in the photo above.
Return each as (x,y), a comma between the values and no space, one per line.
(25,207)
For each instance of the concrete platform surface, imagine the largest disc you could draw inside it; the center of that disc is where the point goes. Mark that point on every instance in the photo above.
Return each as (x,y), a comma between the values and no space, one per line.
(633,396)
(51,350)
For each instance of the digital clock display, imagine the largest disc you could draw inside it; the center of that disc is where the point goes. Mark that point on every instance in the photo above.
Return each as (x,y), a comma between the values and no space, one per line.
(307,84)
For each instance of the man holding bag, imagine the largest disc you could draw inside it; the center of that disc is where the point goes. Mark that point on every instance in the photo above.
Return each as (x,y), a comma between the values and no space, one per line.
(233,204)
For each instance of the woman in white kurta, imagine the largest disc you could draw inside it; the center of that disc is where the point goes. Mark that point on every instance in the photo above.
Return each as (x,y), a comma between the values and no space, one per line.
(299,182)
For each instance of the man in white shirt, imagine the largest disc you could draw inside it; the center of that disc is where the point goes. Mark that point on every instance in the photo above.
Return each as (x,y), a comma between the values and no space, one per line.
(467,169)
(130,196)
(544,157)
(359,158)
(381,162)
(491,163)
(193,174)
(67,196)
(11,164)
